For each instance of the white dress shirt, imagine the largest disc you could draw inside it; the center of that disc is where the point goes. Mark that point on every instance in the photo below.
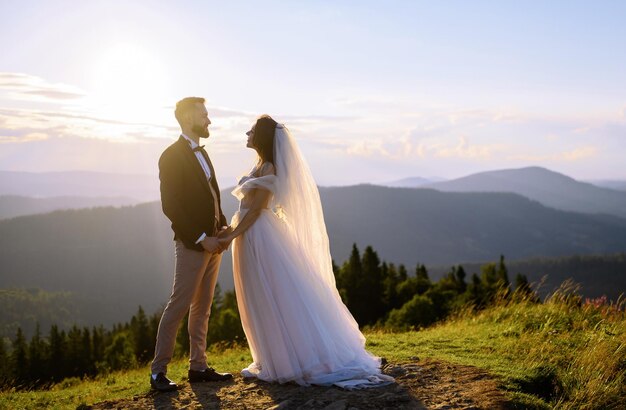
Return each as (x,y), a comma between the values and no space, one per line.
(201,159)
(205,168)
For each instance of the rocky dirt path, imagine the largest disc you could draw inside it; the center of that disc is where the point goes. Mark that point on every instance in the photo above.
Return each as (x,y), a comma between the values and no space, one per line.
(425,384)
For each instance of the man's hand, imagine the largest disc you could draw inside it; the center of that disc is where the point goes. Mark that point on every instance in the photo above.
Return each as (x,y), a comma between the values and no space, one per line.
(210,244)
(224,241)
(224,230)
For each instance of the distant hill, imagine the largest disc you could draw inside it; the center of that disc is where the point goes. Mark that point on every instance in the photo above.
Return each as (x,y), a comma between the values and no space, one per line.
(610,183)
(412,182)
(432,227)
(123,257)
(548,187)
(12,205)
(117,257)
(27,308)
(142,188)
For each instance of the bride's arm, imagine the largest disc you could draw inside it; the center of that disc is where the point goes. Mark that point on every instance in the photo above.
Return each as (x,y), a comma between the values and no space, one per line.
(260,201)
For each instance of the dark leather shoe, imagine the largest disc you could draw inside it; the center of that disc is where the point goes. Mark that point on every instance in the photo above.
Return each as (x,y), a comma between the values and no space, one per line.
(208,375)
(162,383)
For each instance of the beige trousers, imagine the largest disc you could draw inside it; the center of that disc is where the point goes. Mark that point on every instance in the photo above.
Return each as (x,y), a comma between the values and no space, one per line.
(194,284)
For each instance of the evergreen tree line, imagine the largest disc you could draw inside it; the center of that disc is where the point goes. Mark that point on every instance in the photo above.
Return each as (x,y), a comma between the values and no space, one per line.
(377,293)
(88,352)
(385,295)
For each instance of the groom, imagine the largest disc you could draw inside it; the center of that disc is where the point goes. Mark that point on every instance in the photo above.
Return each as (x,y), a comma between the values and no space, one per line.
(191,200)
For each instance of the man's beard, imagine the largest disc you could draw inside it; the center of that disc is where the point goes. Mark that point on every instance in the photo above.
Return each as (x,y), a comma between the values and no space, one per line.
(200,131)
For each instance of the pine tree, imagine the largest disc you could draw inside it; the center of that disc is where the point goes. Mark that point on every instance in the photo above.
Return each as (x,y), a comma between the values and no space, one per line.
(502,275)
(86,354)
(423,282)
(489,279)
(391,281)
(141,336)
(371,288)
(56,361)
(38,360)
(97,346)
(475,291)
(403,274)
(353,276)
(74,352)
(19,360)
(349,277)
(4,368)
(460,278)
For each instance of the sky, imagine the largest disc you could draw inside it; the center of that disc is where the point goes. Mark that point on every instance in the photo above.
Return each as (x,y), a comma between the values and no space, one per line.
(373,91)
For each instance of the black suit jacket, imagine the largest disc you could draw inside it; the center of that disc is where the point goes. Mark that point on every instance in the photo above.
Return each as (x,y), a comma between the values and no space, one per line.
(185,194)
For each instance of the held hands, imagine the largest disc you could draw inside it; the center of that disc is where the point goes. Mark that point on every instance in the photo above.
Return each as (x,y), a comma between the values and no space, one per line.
(224,230)
(211,244)
(224,241)
(219,243)
(224,237)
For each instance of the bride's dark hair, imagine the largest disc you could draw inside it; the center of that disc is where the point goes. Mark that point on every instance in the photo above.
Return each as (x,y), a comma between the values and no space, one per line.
(264,138)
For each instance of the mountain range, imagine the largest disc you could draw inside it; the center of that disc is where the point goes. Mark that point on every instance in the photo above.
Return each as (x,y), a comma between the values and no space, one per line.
(119,257)
(141,188)
(610,183)
(78,189)
(123,257)
(547,187)
(13,205)
(433,227)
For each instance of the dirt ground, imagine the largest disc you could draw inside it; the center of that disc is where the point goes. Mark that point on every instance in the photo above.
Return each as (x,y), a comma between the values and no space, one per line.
(420,384)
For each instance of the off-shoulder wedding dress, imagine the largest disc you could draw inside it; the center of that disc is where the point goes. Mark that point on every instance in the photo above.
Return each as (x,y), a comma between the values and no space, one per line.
(297,327)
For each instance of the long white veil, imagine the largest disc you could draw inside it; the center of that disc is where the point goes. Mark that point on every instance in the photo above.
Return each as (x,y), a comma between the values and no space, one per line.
(295,322)
(297,202)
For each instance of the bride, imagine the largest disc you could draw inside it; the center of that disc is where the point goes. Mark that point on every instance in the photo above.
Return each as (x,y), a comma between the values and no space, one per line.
(297,327)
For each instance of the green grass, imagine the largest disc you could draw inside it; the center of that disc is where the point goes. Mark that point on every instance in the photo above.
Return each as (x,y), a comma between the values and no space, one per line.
(561,354)
(71,393)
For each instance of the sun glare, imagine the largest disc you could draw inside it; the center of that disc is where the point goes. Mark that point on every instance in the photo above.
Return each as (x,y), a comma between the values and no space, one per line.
(130,84)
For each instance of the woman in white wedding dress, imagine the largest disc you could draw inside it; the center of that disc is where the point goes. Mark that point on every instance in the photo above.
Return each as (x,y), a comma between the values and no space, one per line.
(297,327)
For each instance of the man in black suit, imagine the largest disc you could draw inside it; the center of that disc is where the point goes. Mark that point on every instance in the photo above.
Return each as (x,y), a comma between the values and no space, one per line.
(190,198)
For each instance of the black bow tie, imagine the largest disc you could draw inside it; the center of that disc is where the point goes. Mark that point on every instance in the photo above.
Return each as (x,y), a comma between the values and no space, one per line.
(198,148)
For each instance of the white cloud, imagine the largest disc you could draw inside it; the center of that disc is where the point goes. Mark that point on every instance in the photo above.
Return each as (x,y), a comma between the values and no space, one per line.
(463,149)
(578,154)
(573,155)
(30,137)
(28,87)
(395,137)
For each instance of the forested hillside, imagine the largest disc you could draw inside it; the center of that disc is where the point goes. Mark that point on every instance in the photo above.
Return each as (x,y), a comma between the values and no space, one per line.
(119,258)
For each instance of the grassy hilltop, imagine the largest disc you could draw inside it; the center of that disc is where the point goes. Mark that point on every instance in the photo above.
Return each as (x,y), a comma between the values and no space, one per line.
(565,353)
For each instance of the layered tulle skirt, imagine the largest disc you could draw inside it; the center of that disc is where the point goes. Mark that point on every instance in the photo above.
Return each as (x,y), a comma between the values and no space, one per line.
(297,327)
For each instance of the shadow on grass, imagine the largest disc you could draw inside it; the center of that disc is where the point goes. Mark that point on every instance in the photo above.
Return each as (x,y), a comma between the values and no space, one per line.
(535,390)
